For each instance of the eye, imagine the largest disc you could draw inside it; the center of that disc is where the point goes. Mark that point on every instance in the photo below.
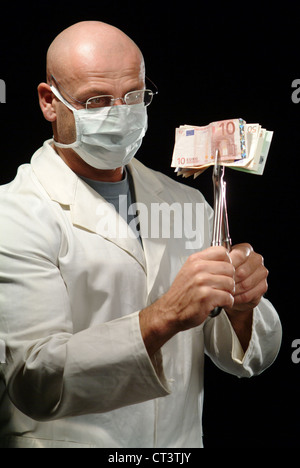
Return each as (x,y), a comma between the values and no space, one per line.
(99,101)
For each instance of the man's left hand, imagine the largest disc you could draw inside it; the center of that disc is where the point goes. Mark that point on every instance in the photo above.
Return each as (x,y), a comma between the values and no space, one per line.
(250,278)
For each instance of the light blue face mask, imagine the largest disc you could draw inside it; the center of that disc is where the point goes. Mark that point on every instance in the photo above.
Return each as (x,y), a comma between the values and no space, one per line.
(107,137)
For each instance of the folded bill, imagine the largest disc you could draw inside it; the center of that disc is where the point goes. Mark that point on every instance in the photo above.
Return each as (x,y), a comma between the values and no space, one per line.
(242,146)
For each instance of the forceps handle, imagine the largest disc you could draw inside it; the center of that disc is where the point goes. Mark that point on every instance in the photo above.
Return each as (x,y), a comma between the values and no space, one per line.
(217,232)
(216,311)
(220,227)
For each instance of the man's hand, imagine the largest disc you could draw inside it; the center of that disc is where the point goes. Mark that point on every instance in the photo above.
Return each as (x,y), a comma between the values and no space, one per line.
(236,281)
(250,285)
(205,281)
(250,278)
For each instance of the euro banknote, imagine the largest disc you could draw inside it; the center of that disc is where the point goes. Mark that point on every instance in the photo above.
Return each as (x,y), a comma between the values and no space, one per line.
(241,146)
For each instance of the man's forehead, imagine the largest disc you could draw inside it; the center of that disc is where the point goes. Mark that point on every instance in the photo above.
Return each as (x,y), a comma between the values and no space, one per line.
(96,68)
(91,48)
(105,85)
(101,80)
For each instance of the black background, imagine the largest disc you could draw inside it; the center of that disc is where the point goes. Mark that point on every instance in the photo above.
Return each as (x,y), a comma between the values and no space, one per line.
(210,62)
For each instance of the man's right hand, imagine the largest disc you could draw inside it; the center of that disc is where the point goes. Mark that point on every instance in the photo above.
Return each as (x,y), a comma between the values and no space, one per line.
(205,281)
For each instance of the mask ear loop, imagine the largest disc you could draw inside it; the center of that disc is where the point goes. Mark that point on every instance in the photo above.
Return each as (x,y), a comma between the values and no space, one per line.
(69,106)
(61,99)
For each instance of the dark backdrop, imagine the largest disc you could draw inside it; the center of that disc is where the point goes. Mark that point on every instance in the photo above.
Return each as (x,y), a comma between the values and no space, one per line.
(224,61)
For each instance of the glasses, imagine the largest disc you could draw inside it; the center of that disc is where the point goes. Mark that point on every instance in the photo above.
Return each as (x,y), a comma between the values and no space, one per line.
(139,96)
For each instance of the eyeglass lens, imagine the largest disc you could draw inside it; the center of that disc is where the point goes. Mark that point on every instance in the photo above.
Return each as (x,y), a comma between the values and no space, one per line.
(131,98)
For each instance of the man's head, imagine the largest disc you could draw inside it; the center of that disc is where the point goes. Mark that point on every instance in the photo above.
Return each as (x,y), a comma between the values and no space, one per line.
(88,59)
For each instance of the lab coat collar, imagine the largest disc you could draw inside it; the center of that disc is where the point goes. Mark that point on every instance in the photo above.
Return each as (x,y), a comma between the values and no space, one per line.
(88,210)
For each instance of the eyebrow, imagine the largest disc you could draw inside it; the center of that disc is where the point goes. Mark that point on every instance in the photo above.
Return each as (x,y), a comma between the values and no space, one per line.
(90,94)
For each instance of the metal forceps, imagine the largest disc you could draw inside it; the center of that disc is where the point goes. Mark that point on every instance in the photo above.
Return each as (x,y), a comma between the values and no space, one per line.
(220,234)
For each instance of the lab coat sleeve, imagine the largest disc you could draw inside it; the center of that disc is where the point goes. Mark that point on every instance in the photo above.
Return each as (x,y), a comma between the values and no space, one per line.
(223,346)
(50,372)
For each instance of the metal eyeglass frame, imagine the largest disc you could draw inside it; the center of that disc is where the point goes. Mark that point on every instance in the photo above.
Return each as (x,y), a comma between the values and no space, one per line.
(123,99)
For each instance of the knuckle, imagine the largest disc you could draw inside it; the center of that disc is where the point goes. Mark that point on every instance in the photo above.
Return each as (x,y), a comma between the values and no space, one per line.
(266,272)
(192,258)
(193,268)
(194,265)
(204,295)
(240,274)
(258,258)
(245,284)
(200,279)
(204,281)
(265,288)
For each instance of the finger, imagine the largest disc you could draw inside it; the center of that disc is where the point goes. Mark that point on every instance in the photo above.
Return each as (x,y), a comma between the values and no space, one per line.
(252,296)
(251,281)
(240,253)
(222,299)
(216,282)
(215,298)
(212,253)
(212,267)
(253,264)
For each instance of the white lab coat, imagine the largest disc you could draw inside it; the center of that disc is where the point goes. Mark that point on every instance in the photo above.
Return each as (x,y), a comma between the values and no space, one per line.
(77,373)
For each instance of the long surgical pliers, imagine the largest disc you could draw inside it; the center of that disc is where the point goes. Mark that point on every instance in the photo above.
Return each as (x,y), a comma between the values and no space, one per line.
(220,235)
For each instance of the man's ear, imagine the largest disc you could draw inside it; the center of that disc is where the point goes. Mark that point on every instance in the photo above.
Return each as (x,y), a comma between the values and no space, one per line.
(46,102)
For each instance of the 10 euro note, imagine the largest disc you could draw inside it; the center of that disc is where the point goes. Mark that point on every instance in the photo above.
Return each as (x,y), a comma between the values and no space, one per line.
(242,146)
(196,146)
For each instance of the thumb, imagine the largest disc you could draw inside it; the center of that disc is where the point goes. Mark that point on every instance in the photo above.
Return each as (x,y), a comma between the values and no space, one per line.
(239,254)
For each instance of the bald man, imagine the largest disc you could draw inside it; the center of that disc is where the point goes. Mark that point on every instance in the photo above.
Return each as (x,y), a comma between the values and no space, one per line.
(105,319)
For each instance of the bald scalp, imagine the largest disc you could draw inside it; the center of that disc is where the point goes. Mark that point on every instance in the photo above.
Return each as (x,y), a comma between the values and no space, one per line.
(86,42)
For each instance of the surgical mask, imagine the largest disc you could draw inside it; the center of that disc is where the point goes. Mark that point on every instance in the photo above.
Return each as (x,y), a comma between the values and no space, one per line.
(107,137)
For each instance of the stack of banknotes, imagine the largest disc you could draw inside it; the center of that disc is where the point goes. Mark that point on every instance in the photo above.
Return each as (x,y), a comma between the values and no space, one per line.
(241,146)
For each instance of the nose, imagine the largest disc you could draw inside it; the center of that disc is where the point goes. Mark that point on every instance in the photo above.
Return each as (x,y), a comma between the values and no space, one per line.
(118,99)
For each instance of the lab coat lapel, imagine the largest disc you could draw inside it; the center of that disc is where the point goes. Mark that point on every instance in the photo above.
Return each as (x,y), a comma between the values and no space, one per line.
(90,211)
(147,189)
